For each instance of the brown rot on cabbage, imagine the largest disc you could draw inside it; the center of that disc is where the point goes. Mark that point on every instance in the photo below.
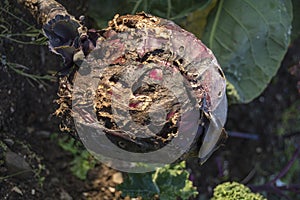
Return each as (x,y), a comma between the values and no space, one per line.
(142,90)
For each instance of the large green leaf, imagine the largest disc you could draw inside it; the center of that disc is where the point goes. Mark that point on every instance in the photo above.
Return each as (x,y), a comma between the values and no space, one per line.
(170,9)
(196,21)
(104,10)
(249,39)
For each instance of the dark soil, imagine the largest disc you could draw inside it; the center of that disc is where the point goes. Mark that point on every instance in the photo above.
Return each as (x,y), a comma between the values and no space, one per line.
(42,167)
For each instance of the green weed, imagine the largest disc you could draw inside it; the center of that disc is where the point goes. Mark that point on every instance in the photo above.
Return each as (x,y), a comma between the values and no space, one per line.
(82,160)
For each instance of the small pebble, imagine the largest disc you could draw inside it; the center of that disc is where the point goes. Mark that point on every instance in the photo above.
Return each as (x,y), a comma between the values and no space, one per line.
(117,178)
(16,162)
(64,195)
(259,150)
(43,133)
(111,189)
(17,190)
(8,142)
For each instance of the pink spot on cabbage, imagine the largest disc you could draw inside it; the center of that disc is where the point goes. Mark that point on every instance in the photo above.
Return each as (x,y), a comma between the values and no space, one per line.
(134,105)
(170,115)
(156,74)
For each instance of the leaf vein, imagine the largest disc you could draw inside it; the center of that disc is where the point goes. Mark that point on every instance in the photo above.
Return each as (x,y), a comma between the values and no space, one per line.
(248,37)
(258,11)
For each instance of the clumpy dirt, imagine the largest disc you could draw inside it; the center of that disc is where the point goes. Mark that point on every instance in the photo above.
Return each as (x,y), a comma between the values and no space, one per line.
(38,168)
